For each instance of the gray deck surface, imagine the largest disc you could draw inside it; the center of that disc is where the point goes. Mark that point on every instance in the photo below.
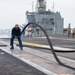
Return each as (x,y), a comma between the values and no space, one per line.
(10,65)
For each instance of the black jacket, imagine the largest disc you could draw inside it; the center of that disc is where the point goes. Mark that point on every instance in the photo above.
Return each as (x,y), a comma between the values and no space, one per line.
(16,32)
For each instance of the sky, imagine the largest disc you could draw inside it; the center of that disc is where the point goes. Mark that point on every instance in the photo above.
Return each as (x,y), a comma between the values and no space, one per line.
(13,11)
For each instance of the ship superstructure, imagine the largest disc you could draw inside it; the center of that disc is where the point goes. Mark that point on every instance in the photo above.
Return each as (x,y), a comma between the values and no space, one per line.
(52,22)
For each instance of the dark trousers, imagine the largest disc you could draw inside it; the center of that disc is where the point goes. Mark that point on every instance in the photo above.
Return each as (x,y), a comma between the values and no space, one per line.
(12,40)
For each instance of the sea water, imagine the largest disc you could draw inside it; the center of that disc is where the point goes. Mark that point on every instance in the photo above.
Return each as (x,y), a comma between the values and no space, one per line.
(5,33)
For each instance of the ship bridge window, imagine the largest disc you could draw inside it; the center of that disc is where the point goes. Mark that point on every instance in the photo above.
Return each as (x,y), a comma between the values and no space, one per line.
(38,22)
(51,28)
(51,19)
(52,23)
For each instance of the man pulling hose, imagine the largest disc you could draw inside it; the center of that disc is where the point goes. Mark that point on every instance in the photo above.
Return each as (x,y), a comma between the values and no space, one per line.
(16,33)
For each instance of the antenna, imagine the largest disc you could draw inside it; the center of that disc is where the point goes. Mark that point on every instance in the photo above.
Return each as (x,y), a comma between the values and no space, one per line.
(53,7)
(32,6)
(36,8)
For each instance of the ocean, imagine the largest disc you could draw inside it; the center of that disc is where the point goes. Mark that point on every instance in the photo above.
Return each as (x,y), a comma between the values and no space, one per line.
(5,33)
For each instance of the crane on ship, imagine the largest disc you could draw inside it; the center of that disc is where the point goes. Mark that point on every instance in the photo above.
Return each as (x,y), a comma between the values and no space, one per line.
(41,5)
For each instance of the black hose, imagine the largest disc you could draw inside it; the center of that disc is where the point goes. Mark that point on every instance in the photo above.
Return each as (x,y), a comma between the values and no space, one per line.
(58,51)
(50,44)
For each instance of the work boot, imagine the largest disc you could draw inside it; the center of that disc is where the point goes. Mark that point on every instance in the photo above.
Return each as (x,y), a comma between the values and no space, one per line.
(21,48)
(12,48)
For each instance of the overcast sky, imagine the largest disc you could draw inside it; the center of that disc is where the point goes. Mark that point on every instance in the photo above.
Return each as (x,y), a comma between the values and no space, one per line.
(13,11)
